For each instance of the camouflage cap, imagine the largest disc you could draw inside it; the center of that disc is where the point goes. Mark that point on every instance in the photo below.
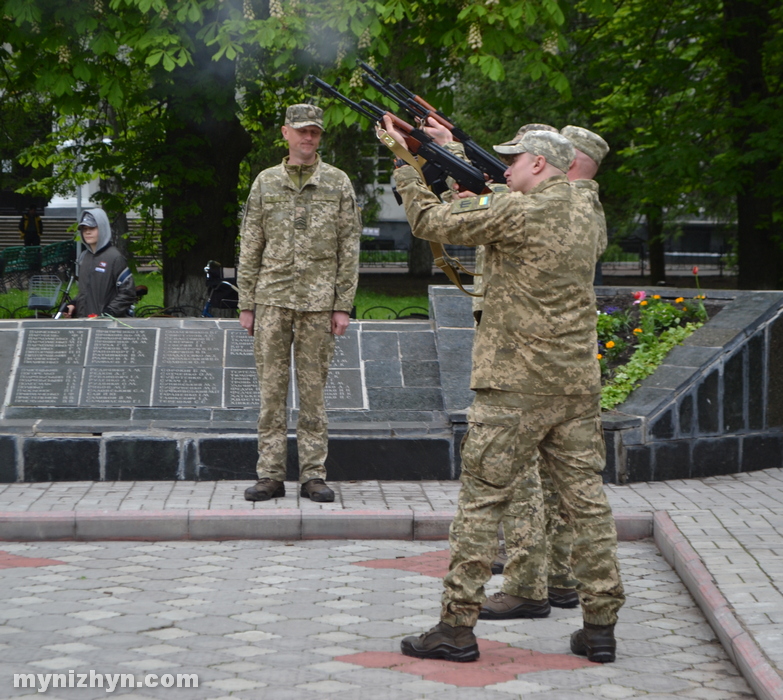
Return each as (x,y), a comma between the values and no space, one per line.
(557,149)
(523,130)
(589,143)
(302,115)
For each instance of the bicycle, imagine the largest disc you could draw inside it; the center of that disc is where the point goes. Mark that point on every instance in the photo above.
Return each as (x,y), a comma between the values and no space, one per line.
(47,299)
(222,294)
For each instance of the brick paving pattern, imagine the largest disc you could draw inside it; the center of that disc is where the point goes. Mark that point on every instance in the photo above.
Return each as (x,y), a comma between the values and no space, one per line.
(260,620)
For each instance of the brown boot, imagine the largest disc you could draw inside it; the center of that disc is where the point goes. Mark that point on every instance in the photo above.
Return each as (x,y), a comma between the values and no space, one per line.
(596,642)
(563,597)
(443,642)
(317,490)
(264,489)
(502,606)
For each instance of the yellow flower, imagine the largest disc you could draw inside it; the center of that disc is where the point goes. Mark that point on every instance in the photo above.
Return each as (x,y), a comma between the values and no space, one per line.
(679,300)
(599,356)
(637,330)
(656,296)
(610,344)
(700,296)
(642,303)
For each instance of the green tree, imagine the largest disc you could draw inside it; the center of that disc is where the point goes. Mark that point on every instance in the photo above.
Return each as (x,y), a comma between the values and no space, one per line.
(688,95)
(161,96)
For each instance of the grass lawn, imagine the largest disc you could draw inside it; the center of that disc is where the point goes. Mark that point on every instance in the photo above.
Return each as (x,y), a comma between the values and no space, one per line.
(370,304)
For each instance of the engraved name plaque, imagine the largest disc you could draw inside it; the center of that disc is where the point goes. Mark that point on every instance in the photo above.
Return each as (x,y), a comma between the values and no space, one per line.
(121,346)
(191,348)
(54,347)
(188,386)
(47,386)
(103,366)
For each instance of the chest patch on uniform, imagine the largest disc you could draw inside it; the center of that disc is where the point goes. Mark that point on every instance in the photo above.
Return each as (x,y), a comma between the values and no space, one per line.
(482,201)
(300,218)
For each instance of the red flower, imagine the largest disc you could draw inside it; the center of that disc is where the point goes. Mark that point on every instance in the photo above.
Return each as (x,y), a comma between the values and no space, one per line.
(639,295)
(695,269)
(92,315)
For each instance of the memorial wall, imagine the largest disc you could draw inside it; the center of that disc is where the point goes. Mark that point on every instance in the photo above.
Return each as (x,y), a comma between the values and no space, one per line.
(161,366)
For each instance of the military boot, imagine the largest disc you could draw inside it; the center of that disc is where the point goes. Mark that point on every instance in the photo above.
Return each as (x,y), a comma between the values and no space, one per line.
(264,489)
(499,563)
(317,490)
(443,642)
(502,606)
(596,642)
(563,597)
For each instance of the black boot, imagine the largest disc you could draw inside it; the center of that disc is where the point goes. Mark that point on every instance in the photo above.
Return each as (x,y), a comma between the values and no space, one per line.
(563,597)
(596,642)
(443,642)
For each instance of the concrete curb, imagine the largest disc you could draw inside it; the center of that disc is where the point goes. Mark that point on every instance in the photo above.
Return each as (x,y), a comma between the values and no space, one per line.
(277,524)
(738,643)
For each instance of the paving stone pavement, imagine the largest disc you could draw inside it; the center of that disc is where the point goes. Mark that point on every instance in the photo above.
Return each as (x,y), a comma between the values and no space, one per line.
(723,536)
(261,620)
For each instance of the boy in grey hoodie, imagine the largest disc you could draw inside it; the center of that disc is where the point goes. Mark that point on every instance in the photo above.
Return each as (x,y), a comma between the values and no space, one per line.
(105,282)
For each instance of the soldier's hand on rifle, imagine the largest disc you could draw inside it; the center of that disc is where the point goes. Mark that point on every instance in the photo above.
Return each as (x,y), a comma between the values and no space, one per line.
(394,132)
(439,133)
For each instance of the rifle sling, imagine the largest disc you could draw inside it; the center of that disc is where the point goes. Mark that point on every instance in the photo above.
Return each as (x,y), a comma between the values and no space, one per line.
(442,259)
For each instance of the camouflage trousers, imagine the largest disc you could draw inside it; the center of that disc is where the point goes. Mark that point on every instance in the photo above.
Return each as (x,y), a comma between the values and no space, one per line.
(499,468)
(310,333)
(538,560)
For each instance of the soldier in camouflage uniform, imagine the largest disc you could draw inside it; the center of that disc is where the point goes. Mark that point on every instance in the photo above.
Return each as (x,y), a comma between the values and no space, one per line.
(522,590)
(537,384)
(297,276)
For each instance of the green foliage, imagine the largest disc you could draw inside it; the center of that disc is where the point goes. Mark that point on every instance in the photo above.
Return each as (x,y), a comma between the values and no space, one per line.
(642,364)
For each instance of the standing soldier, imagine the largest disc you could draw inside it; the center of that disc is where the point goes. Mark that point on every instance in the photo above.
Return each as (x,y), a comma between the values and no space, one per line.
(522,591)
(537,384)
(297,276)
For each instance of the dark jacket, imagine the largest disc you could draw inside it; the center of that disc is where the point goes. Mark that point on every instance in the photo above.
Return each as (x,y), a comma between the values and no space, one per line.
(31,229)
(105,283)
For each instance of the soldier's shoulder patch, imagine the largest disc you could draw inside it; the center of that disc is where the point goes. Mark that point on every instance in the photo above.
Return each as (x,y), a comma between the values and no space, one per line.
(499,188)
(482,201)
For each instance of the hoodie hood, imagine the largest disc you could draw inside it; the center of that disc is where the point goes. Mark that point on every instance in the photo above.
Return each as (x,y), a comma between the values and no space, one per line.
(97,217)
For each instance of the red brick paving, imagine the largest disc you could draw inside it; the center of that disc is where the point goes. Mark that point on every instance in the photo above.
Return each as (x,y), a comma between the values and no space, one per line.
(434,564)
(13,561)
(498,663)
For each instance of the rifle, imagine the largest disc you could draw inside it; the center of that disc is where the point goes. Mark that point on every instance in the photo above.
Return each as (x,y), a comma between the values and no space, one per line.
(418,108)
(440,163)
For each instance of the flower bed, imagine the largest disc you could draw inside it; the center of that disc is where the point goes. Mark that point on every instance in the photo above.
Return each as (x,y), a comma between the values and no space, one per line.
(636,331)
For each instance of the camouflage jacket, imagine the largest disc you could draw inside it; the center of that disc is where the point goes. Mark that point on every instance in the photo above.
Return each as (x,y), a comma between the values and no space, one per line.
(537,333)
(586,188)
(589,189)
(300,245)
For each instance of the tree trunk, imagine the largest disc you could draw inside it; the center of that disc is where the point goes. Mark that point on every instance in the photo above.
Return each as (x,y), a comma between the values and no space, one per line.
(420,259)
(117,216)
(655,243)
(747,25)
(205,144)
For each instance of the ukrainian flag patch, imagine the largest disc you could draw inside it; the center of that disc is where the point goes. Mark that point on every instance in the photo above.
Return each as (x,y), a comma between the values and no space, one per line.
(482,201)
